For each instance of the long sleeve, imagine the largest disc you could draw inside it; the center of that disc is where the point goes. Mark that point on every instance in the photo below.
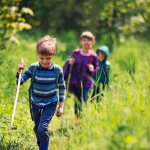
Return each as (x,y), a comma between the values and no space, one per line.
(95,64)
(66,69)
(25,76)
(61,86)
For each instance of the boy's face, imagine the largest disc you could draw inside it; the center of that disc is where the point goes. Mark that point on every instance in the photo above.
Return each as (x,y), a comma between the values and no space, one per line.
(101,56)
(45,61)
(86,43)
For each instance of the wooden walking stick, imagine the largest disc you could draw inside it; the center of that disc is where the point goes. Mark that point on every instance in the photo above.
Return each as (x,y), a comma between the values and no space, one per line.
(16,98)
(69,77)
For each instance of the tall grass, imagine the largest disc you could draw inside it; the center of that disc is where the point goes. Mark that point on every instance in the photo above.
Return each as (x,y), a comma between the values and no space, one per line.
(119,122)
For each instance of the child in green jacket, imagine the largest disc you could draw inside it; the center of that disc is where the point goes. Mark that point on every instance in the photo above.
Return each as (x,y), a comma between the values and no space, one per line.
(101,76)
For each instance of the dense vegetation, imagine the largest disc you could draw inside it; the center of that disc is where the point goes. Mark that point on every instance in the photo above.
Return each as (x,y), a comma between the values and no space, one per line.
(119,121)
(108,20)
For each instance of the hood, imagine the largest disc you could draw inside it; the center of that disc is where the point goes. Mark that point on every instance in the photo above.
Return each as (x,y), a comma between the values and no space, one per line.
(105,49)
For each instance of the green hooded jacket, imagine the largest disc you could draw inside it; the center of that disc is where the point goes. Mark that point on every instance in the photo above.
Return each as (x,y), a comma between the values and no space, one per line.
(101,76)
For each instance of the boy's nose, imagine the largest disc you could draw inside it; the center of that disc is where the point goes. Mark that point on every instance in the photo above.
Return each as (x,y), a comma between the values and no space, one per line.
(44,61)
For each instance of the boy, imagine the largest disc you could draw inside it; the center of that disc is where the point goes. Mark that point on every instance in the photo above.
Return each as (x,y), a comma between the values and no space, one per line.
(101,76)
(46,81)
(83,64)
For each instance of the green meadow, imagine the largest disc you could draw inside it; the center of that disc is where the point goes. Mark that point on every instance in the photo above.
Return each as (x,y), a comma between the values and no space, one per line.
(120,121)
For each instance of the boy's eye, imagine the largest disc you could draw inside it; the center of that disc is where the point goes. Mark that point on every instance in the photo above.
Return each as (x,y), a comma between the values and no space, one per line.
(46,58)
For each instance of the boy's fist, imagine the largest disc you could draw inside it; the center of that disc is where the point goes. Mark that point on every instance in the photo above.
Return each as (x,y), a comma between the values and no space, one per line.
(21,65)
(59,111)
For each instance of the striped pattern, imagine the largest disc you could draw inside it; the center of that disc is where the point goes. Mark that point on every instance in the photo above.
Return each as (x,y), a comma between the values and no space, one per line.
(45,86)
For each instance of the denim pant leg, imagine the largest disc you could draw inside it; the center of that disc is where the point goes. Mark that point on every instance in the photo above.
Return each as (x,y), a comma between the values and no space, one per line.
(42,123)
(36,112)
(46,116)
(78,101)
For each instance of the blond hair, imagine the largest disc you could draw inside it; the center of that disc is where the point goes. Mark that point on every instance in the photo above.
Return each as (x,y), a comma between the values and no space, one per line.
(88,34)
(46,45)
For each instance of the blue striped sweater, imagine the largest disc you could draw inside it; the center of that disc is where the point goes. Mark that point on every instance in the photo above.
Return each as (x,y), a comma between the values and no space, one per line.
(45,87)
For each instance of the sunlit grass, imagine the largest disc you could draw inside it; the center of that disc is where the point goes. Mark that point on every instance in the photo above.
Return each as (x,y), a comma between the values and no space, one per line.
(119,121)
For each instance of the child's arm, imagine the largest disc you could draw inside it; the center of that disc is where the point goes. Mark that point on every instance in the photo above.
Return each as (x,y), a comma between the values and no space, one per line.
(62,93)
(93,67)
(90,67)
(74,55)
(71,61)
(26,75)
(96,65)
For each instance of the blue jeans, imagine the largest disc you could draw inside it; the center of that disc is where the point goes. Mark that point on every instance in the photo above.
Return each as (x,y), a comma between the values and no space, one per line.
(82,96)
(42,117)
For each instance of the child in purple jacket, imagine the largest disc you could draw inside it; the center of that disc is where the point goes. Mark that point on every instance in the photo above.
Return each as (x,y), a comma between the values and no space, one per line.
(81,67)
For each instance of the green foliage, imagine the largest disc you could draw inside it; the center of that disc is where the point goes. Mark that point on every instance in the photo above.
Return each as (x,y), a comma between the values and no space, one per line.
(64,45)
(56,15)
(14,144)
(124,16)
(108,20)
(128,62)
(119,121)
(12,20)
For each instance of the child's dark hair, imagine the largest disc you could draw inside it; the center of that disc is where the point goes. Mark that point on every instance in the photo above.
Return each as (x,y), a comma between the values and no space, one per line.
(46,45)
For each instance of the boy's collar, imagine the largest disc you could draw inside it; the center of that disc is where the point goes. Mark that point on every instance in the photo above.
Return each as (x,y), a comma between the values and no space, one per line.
(50,66)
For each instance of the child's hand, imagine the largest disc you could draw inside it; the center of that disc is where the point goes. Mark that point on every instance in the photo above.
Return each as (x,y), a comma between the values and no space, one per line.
(71,61)
(60,111)
(21,66)
(90,67)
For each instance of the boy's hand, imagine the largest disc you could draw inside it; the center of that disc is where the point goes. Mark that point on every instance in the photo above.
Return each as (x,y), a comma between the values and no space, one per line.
(90,67)
(21,66)
(60,111)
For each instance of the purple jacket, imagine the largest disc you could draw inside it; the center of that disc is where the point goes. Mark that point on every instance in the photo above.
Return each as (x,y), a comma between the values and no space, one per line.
(80,72)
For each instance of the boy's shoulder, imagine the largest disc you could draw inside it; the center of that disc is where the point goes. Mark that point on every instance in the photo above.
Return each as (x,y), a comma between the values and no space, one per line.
(57,67)
(36,64)
(33,66)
